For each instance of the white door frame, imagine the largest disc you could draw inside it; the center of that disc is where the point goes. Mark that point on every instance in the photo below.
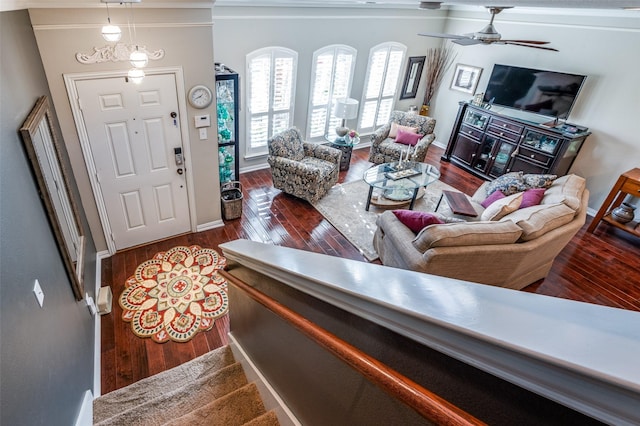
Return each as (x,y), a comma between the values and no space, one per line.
(72,92)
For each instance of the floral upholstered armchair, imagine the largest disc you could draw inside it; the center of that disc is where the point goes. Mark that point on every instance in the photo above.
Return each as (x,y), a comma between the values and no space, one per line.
(302,169)
(385,148)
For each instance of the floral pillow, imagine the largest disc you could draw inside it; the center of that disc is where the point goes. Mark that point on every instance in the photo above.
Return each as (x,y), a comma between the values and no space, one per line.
(539,181)
(508,183)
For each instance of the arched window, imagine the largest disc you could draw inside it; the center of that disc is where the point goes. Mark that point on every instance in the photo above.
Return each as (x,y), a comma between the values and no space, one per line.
(271,87)
(331,77)
(381,85)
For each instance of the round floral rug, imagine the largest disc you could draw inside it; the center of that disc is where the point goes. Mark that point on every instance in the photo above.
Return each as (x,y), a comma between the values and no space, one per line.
(175,294)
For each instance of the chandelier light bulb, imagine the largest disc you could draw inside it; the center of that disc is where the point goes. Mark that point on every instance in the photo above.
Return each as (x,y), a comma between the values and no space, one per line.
(138,59)
(136,75)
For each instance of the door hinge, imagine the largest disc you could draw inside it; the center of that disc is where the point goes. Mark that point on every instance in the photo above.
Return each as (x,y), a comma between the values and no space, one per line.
(98,177)
(80,104)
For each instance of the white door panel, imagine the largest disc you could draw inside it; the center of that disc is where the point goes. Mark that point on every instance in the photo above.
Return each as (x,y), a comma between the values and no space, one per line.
(132,138)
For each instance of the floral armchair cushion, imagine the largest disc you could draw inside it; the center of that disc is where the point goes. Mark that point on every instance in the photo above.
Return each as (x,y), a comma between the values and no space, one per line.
(287,144)
(384,149)
(302,169)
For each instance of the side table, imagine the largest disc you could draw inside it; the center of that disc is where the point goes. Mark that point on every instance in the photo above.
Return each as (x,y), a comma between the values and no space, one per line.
(344,144)
(628,183)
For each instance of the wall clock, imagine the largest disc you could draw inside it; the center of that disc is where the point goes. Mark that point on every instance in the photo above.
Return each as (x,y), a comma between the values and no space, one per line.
(200,96)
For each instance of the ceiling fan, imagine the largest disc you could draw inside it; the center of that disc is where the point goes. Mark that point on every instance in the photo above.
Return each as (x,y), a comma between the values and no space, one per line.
(489,35)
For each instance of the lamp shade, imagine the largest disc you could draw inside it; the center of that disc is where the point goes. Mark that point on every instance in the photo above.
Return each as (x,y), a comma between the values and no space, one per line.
(345,108)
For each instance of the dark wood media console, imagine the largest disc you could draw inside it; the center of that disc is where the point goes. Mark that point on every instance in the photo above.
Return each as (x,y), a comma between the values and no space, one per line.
(490,144)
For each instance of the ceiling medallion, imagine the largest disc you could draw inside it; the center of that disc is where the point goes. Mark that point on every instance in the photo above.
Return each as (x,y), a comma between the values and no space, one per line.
(116,53)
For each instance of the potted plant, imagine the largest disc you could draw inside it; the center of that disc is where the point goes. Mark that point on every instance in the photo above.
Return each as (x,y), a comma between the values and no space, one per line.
(439,59)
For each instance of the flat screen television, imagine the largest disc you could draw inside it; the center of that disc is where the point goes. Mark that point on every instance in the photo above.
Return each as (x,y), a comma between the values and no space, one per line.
(547,93)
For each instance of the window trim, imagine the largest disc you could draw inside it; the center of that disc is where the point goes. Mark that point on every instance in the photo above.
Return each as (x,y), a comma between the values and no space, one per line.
(274,52)
(389,47)
(335,49)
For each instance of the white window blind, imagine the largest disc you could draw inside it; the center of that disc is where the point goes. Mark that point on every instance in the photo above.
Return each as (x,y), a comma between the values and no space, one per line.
(332,73)
(381,85)
(270,95)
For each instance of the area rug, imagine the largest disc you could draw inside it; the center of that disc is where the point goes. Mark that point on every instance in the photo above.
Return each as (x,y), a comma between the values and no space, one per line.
(344,207)
(175,294)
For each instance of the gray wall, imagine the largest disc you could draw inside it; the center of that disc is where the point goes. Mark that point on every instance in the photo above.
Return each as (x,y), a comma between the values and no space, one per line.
(46,354)
(600,44)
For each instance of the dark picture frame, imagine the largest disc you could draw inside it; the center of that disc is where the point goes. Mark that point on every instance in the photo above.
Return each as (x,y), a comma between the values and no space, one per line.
(43,148)
(412,77)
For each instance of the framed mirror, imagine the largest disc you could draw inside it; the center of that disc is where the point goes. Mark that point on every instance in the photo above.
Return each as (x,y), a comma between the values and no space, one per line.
(43,150)
(412,77)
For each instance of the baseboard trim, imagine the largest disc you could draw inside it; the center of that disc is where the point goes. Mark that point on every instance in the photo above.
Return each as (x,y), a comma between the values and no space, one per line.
(209,225)
(271,399)
(97,348)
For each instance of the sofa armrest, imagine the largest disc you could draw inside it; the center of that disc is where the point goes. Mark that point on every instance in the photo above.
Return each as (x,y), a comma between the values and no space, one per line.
(422,146)
(323,152)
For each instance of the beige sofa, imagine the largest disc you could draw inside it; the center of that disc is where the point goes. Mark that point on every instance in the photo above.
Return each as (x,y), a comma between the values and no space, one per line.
(512,252)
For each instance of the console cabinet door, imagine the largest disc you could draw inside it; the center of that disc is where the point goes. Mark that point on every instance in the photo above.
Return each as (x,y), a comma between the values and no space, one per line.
(465,149)
(502,155)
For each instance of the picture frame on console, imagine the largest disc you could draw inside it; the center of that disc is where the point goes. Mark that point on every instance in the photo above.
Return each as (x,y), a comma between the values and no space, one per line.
(412,77)
(465,78)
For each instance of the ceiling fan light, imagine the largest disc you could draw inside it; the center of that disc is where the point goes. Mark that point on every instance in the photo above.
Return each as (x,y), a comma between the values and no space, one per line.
(138,59)
(136,75)
(111,33)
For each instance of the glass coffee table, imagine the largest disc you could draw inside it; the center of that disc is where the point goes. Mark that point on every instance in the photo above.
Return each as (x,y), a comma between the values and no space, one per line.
(399,183)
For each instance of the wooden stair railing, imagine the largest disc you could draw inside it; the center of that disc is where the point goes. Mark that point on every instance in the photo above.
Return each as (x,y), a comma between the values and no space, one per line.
(426,403)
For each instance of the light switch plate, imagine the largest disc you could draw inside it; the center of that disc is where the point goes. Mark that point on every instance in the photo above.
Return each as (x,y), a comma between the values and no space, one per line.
(37,290)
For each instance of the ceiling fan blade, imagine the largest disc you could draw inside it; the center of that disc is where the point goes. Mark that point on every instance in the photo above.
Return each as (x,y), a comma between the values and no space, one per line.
(526,45)
(527,41)
(466,41)
(441,35)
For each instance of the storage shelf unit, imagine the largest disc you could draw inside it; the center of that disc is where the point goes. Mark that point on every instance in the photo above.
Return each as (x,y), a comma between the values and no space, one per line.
(227,108)
(627,184)
(490,144)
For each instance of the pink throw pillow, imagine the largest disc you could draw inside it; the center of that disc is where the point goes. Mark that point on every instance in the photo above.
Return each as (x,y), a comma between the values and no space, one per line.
(415,220)
(408,138)
(532,197)
(393,132)
(495,196)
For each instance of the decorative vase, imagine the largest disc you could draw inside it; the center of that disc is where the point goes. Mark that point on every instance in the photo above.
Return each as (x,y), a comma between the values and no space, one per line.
(424,110)
(623,213)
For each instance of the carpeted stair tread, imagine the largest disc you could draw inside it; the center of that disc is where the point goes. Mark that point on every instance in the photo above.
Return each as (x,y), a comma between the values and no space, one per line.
(151,387)
(267,419)
(233,409)
(174,402)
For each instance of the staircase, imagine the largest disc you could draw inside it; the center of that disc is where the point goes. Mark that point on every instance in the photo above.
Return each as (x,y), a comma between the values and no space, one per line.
(209,390)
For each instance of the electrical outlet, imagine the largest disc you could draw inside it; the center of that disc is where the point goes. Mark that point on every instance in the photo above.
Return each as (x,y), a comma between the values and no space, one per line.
(37,290)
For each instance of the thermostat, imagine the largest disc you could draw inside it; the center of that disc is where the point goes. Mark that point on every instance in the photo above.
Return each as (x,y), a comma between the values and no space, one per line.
(202,121)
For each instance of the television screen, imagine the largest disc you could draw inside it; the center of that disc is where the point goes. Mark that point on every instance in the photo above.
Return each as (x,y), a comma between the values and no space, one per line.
(542,92)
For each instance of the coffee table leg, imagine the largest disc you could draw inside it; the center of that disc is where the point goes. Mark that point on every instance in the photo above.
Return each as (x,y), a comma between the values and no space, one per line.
(369,197)
(413,199)
(439,201)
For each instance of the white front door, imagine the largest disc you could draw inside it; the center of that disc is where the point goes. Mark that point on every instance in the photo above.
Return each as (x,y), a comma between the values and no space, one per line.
(134,133)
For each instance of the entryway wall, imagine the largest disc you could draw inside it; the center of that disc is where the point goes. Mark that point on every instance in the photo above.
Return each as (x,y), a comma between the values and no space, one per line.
(185,35)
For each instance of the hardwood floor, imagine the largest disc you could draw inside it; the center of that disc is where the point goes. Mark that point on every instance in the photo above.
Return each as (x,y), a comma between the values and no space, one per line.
(598,268)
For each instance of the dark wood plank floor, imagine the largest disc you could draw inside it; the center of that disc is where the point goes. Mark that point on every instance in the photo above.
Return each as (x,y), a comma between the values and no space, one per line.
(600,268)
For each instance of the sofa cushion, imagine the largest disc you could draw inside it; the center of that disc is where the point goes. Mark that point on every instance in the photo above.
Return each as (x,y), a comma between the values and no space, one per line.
(531,197)
(536,221)
(416,220)
(567,190)
(502,207)
(508,183)
(407,138)
(395,127)
(467,234)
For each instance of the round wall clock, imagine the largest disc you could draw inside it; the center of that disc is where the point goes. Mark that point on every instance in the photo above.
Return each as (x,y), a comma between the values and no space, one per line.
(200,96)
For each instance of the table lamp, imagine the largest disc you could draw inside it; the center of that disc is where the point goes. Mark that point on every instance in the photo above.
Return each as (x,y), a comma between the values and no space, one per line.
(345,109)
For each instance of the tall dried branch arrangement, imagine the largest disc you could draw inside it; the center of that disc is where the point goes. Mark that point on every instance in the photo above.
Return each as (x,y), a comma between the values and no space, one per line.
(439,59)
